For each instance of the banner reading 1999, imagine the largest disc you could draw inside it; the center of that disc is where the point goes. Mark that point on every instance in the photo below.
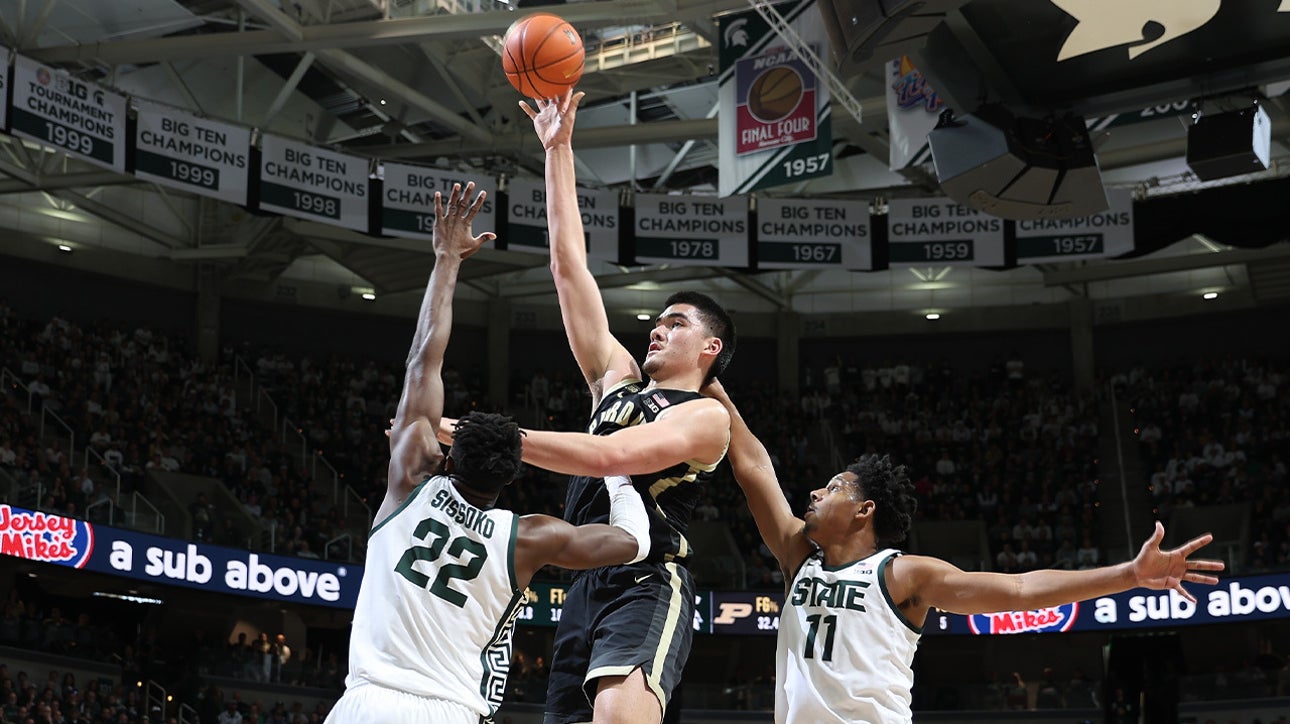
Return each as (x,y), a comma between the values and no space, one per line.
(696,230)
(806,234)
(83,119)
(311,183)
(407,201)
(195,154)
(942,232)
(526,228)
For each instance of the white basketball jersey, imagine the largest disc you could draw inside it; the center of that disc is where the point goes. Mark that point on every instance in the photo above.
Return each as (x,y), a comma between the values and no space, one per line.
(436,610)
(844,651)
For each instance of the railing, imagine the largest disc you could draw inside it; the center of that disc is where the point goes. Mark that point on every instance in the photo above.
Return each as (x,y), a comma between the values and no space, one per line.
(45,414)
(187,714)
(1119,461)
(116,477)
(159,520)
(352,495)
(11,380)
(349,546)
(111,507)
(155,696)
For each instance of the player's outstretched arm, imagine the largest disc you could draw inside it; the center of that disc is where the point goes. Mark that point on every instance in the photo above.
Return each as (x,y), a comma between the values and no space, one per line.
(543,540)
(929,582)
(414,451)
(601,358)
(755,474)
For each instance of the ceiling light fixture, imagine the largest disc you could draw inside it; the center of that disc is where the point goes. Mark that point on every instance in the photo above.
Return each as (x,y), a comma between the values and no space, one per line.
(933,316)
(369,296)
(643,317)
(1208,296)
(64,248)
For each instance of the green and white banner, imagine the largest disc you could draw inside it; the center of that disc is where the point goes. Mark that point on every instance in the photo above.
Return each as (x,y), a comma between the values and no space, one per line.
(83,119)
(178,149)
(313,183)
(808,234)
(1109,233)
(407,200)
(940,232)
(696,230)
(526,219)
(774,124)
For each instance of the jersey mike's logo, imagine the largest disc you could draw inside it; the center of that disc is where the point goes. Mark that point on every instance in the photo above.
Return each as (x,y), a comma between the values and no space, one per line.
(1043,620)
(47,538)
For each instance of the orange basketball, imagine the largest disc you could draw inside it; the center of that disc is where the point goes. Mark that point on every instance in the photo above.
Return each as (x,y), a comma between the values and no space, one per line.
(542,55)
(775,94)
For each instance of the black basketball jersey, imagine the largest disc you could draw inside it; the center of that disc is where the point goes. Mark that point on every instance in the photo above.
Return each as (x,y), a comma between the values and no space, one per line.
(670,495)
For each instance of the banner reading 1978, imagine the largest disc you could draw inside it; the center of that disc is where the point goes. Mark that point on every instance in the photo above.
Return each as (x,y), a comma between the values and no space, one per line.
(1109,233)
(696,230)
(526,220)
(942,232)
(806,234)
(178,149)
(407,201)
(83,119)
(311,183)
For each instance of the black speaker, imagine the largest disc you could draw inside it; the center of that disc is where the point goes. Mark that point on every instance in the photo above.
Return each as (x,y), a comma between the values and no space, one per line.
(1229,144)
(1018,168)
(865,33)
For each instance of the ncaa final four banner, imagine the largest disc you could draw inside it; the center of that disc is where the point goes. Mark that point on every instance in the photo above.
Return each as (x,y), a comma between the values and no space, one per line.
(80,118)
(774,124)
(913,109)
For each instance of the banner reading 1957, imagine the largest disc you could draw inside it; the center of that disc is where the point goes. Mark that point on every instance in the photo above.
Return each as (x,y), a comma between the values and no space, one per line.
(1109,233)
(695,230)
(311,183)
(83,119)
(942,232)
(407,201)
(806,234)
(526,220)
(195,154)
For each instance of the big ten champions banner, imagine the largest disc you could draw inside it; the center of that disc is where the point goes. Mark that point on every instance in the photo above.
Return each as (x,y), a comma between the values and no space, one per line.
(774,125)
(407,200)
(913,108)
(1109,233)
(806,234)
(526,228)
(312,183)
(178,149)
(83,119)
(940,232)
(693,230)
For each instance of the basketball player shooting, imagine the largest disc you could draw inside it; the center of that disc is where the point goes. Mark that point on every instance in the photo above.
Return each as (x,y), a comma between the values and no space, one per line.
(446,571)
(855,607)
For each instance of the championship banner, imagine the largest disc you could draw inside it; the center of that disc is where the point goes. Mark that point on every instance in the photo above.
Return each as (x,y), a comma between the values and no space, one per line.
(526,220)
(83,119)
(407,200)
(913,109)
(180,150)
(774,124)
(696,230)
(312,183)
(941,232)
(1109,233)
(45,538)
(806,234)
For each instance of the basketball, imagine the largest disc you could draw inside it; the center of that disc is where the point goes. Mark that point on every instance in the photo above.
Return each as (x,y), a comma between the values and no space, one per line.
(775,93)
(542,55)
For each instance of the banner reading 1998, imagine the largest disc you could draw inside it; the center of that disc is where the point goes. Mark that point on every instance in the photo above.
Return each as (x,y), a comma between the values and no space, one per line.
(696,230)
(311,183)
(195,154)
(407,201)
(526,220)
(1109,233)
(805,234)
(942,232)
(83,119)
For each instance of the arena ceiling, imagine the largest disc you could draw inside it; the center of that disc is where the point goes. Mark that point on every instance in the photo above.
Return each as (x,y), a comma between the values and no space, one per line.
(420,80)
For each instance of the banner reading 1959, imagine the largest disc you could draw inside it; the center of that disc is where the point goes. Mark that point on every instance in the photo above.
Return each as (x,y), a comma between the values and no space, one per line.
(178,149)
(407,201)
(1109,233)
(526,220)
(806,234)
(942,232)
(83,119)
(311,183)
(694,230)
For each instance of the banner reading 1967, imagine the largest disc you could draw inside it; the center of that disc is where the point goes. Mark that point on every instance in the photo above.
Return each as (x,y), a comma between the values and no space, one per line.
(311,183)
(806,234)
(1109,233)
(83,119)
(942,232)
(407,201)
(176,148)
(526,220)
(697,230)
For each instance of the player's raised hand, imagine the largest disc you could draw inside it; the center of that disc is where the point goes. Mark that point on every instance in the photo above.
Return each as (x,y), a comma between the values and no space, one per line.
(553,119)
(452,235)
(1161,569)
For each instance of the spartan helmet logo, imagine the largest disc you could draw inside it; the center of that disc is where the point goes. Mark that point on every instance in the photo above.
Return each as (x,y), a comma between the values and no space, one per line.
(736,35)
(1107,23)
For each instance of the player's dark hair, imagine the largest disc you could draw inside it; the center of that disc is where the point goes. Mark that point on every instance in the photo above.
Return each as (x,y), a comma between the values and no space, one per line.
(486,451)
(718,323)
(888,486)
